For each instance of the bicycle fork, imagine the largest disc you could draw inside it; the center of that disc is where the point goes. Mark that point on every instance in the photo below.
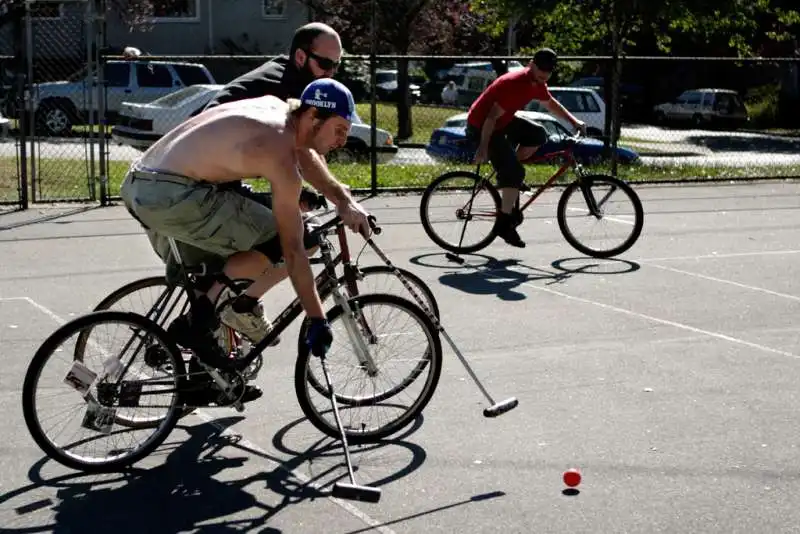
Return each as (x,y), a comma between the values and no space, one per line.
(351,325)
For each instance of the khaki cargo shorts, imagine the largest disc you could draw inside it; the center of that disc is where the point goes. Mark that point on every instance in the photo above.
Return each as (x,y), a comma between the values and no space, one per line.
(208,224)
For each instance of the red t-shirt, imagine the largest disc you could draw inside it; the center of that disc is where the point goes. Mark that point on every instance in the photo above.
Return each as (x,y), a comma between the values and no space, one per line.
(512,91)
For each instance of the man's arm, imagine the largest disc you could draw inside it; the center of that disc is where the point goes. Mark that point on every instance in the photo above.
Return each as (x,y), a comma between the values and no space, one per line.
(482,154)
(315,171)
(557,109)
(286,184)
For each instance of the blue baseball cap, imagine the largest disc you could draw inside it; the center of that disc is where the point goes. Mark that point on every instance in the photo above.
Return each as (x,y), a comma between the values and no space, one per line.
(329,95)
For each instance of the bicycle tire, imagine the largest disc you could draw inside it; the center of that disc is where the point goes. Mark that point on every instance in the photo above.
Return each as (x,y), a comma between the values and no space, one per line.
(435,348)
(419,285)
(427,295)
(426,220)
(638,222)
(48,348)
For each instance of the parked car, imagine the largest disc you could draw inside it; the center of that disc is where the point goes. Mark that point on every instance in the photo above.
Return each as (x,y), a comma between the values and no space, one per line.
(142,124)
(702,107)
(60,105)
(386,81)
(632,96)
(582,102)
(449,141)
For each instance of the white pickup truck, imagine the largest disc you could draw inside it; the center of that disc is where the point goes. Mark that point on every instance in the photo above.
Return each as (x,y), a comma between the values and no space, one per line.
(58,106)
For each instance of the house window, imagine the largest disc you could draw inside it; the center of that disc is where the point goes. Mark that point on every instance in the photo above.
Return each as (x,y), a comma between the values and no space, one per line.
(176,10)
(46,10)
(273,8)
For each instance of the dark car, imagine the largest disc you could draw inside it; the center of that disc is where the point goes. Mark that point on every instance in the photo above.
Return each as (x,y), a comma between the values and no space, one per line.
(449,141)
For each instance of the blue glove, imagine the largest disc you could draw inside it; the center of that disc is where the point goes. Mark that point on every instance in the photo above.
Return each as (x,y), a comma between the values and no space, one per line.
(319,336)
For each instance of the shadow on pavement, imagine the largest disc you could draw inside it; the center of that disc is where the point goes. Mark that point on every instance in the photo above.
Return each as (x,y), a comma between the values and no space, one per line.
(485,275)
(191,490)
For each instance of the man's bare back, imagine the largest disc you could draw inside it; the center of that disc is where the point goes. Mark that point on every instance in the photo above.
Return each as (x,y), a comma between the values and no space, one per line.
(215,146)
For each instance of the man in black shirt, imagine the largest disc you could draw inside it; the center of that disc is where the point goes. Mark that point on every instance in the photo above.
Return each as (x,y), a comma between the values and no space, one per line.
(315,52)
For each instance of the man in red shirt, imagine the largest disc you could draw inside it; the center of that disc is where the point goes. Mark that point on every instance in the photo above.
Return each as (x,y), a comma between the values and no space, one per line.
(493,127)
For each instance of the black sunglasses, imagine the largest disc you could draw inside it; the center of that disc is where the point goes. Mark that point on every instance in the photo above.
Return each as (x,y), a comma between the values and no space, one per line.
(323,62)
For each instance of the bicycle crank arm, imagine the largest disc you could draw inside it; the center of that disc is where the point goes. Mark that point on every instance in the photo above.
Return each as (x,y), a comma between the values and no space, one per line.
(355,492)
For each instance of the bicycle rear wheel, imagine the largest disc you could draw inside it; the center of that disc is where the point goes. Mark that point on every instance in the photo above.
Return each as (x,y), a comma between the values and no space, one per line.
(108,384)
(599,204)
(459,211)
(409,389)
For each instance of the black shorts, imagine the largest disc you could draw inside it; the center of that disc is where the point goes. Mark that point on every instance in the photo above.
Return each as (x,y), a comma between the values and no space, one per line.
(503,148)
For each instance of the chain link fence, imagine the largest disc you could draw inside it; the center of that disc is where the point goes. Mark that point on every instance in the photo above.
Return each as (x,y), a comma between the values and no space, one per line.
(677,118)
(60,115)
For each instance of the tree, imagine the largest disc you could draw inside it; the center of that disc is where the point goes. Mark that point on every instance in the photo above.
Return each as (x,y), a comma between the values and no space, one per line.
(402,27)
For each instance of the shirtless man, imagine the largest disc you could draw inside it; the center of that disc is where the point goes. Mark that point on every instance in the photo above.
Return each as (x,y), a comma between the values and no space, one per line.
(177,190)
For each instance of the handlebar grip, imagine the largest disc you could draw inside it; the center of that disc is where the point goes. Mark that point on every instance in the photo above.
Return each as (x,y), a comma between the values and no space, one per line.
(371,219)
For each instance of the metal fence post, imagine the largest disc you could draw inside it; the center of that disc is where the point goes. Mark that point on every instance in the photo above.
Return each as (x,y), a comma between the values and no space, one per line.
(374,107)
(19,105)
(30,97)
(100,43)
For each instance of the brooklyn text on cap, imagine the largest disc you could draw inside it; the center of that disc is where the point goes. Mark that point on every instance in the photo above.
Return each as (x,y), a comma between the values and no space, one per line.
(330,95)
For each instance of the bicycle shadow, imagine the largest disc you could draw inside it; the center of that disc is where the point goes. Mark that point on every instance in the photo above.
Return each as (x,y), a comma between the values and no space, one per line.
(196,488)
(486,275)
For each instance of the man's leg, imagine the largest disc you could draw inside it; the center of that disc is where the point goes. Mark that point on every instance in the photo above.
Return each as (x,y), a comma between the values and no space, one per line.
(510,175)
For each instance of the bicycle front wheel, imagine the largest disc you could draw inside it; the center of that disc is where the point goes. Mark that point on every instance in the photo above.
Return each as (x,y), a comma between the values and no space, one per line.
(397,336)
(116,379)
(459,211)
(600,216)
(382,279)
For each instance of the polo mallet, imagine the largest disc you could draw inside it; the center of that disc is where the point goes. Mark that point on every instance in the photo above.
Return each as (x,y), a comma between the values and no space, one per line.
(496,408)
(342,490)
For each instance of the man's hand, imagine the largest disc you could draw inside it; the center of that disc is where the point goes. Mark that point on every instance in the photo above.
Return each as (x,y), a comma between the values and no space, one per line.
(319,336)
(354,217)
(581,127)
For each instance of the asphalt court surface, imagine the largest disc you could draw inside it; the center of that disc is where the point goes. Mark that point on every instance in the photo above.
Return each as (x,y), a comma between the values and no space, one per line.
(668,376)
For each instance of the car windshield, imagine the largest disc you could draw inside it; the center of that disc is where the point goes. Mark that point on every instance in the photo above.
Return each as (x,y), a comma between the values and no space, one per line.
(383,77)
(173,99)
(455,123)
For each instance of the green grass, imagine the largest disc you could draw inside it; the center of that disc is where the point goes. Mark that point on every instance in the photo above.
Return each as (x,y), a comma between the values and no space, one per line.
(424,119)
(60,179)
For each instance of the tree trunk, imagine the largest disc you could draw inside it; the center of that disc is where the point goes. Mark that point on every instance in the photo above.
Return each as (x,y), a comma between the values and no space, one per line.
(404,125)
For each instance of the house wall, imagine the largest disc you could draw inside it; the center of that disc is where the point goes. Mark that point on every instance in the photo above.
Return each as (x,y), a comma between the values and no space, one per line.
(238,20)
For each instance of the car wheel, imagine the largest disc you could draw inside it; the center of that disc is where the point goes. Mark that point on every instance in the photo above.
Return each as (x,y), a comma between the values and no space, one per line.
(55,117)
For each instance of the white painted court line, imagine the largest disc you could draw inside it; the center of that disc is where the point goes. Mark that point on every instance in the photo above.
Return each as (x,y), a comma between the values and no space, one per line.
(723,281)
(607,218)
(667,322)
(721,256)
(345,505)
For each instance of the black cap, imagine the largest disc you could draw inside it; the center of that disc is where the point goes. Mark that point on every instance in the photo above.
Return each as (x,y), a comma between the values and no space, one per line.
(545,59)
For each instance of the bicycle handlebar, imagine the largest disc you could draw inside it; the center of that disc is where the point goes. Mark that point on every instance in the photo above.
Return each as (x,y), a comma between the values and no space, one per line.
(337,220)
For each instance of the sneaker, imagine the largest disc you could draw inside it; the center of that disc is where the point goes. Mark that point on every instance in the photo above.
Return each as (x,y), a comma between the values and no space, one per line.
(245,315)
(506,229)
